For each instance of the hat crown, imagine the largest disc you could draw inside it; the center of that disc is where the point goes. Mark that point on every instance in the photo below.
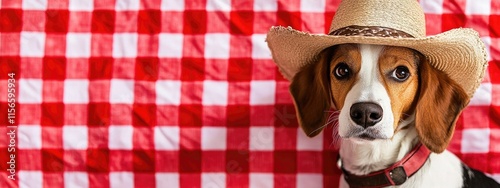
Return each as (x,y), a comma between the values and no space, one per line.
(403,15)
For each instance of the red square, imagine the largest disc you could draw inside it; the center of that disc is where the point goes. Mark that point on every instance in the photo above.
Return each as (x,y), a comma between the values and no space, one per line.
(144,160)
(143,138)
(242,5)
(473,116)
(195,22)
(312,24)
(29,114)
(285,162)
(291,5)
(167,161)
(53,179)
(144,179)
(239,93)
(54,68)
(262,115)
(169,69)
(172,22)
(104,4)
(285,180)
(190,138)
(261,161)
(11,4)
(310,162)
(292,19)
(453,6)
(193,46)
(211,160)
(52,137)
(241,22)
(494,28)
(53,91)
(452,21)
(241,47)
(479,23)
(262,21)
(193,69)
(57,21)
(495,8)
(98,114)
(263,70)
(283,94)
(10,19)
(495,138)
(216,69)
(146,68)
(238,139)
(99,90)
(80,21)
(52,160)
(214,116)
(77,68)
(149,21)
(478,161)
(144,115)
(121,114)
(494,70)
(120,160)
(237,161)
(147,45)
(102,45)
(190,161)
(122,68)
(143,92)
(55,45)
(31,67)
(52,114)
(10,45)
(99,179)
(10,65)
(330,163)
(75,114)
(167,115)
(195,4)
(284,116)
(55,4)
(285,138)
(433,24)
(240,69)
(98,160)
(29,159)
(218,22)
(33,20)
(126,21)
(100,67)
(236,180)
(148,4)
(98,137)
(75,160)
(190,179)
(103,21)
(238,115)
(190,115)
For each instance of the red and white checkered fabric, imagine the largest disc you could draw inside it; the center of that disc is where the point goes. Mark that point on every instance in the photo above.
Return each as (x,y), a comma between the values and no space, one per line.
(172,93)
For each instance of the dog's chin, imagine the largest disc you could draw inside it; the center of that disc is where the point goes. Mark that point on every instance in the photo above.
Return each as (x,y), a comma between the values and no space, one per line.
(365,135)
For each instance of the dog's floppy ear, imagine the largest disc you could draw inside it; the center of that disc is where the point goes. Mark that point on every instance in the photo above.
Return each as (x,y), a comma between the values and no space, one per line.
(441,100)
(311,95)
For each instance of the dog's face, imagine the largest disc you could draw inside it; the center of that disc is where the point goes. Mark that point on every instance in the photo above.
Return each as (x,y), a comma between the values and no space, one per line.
(378,91)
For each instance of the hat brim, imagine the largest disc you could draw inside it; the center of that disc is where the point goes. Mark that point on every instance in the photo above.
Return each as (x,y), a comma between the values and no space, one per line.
(460,53)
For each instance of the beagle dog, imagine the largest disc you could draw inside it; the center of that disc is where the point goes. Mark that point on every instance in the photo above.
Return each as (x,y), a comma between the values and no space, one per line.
(395,116)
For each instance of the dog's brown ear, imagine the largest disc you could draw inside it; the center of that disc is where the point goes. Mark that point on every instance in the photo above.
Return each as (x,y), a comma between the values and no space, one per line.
(311,95)
(441,100)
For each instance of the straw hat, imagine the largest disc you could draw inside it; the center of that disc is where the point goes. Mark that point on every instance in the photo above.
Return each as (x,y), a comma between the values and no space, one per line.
(460,53)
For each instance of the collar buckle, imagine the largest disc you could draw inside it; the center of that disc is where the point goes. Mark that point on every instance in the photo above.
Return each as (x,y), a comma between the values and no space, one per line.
(398,175)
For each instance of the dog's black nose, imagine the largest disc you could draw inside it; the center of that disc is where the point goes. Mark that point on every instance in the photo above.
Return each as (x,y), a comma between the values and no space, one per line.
(366,114)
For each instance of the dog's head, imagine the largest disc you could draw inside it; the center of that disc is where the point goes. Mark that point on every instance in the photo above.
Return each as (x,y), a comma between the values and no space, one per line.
(378,90)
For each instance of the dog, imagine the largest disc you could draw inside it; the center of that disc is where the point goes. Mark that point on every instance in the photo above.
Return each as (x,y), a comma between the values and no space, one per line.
(391,106)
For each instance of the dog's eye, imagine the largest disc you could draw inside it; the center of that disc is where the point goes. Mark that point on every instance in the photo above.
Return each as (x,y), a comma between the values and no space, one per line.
(401,73)
(342,71)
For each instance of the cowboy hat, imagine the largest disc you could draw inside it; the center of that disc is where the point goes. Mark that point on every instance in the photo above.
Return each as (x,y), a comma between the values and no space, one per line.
(459,53)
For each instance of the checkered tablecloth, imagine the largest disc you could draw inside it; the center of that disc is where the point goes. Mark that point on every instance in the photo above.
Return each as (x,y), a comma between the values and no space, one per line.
(172,93)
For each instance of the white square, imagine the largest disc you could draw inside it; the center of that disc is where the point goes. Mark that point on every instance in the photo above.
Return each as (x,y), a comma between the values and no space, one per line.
(29,136)
(75,137)
(262,92)
(482,97)
(475,140)
(305,143)
(124,44)
(81,5)
(215,92)
(478,7)
(168,92)
(309,180)
(34,4)
(265,5)
(170,45)
(76,179)
(213,138)
(487,45)
(261,180)
(262,138)
(169,5)
(30,91)
(121,91)
(213,180)
(259,47)
(121,179)
(166,137)
(32,43)
(217,46)
(167,179)
(432,6)
(120,137)
(76,91)
(220,5)
(78,45)
(312,6)
(124,5)
(30,179)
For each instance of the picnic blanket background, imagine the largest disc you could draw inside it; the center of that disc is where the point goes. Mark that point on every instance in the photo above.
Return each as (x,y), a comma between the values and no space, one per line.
(170,93)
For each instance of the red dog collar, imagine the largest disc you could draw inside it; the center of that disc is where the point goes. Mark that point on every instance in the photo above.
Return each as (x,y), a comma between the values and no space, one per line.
(396,174)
